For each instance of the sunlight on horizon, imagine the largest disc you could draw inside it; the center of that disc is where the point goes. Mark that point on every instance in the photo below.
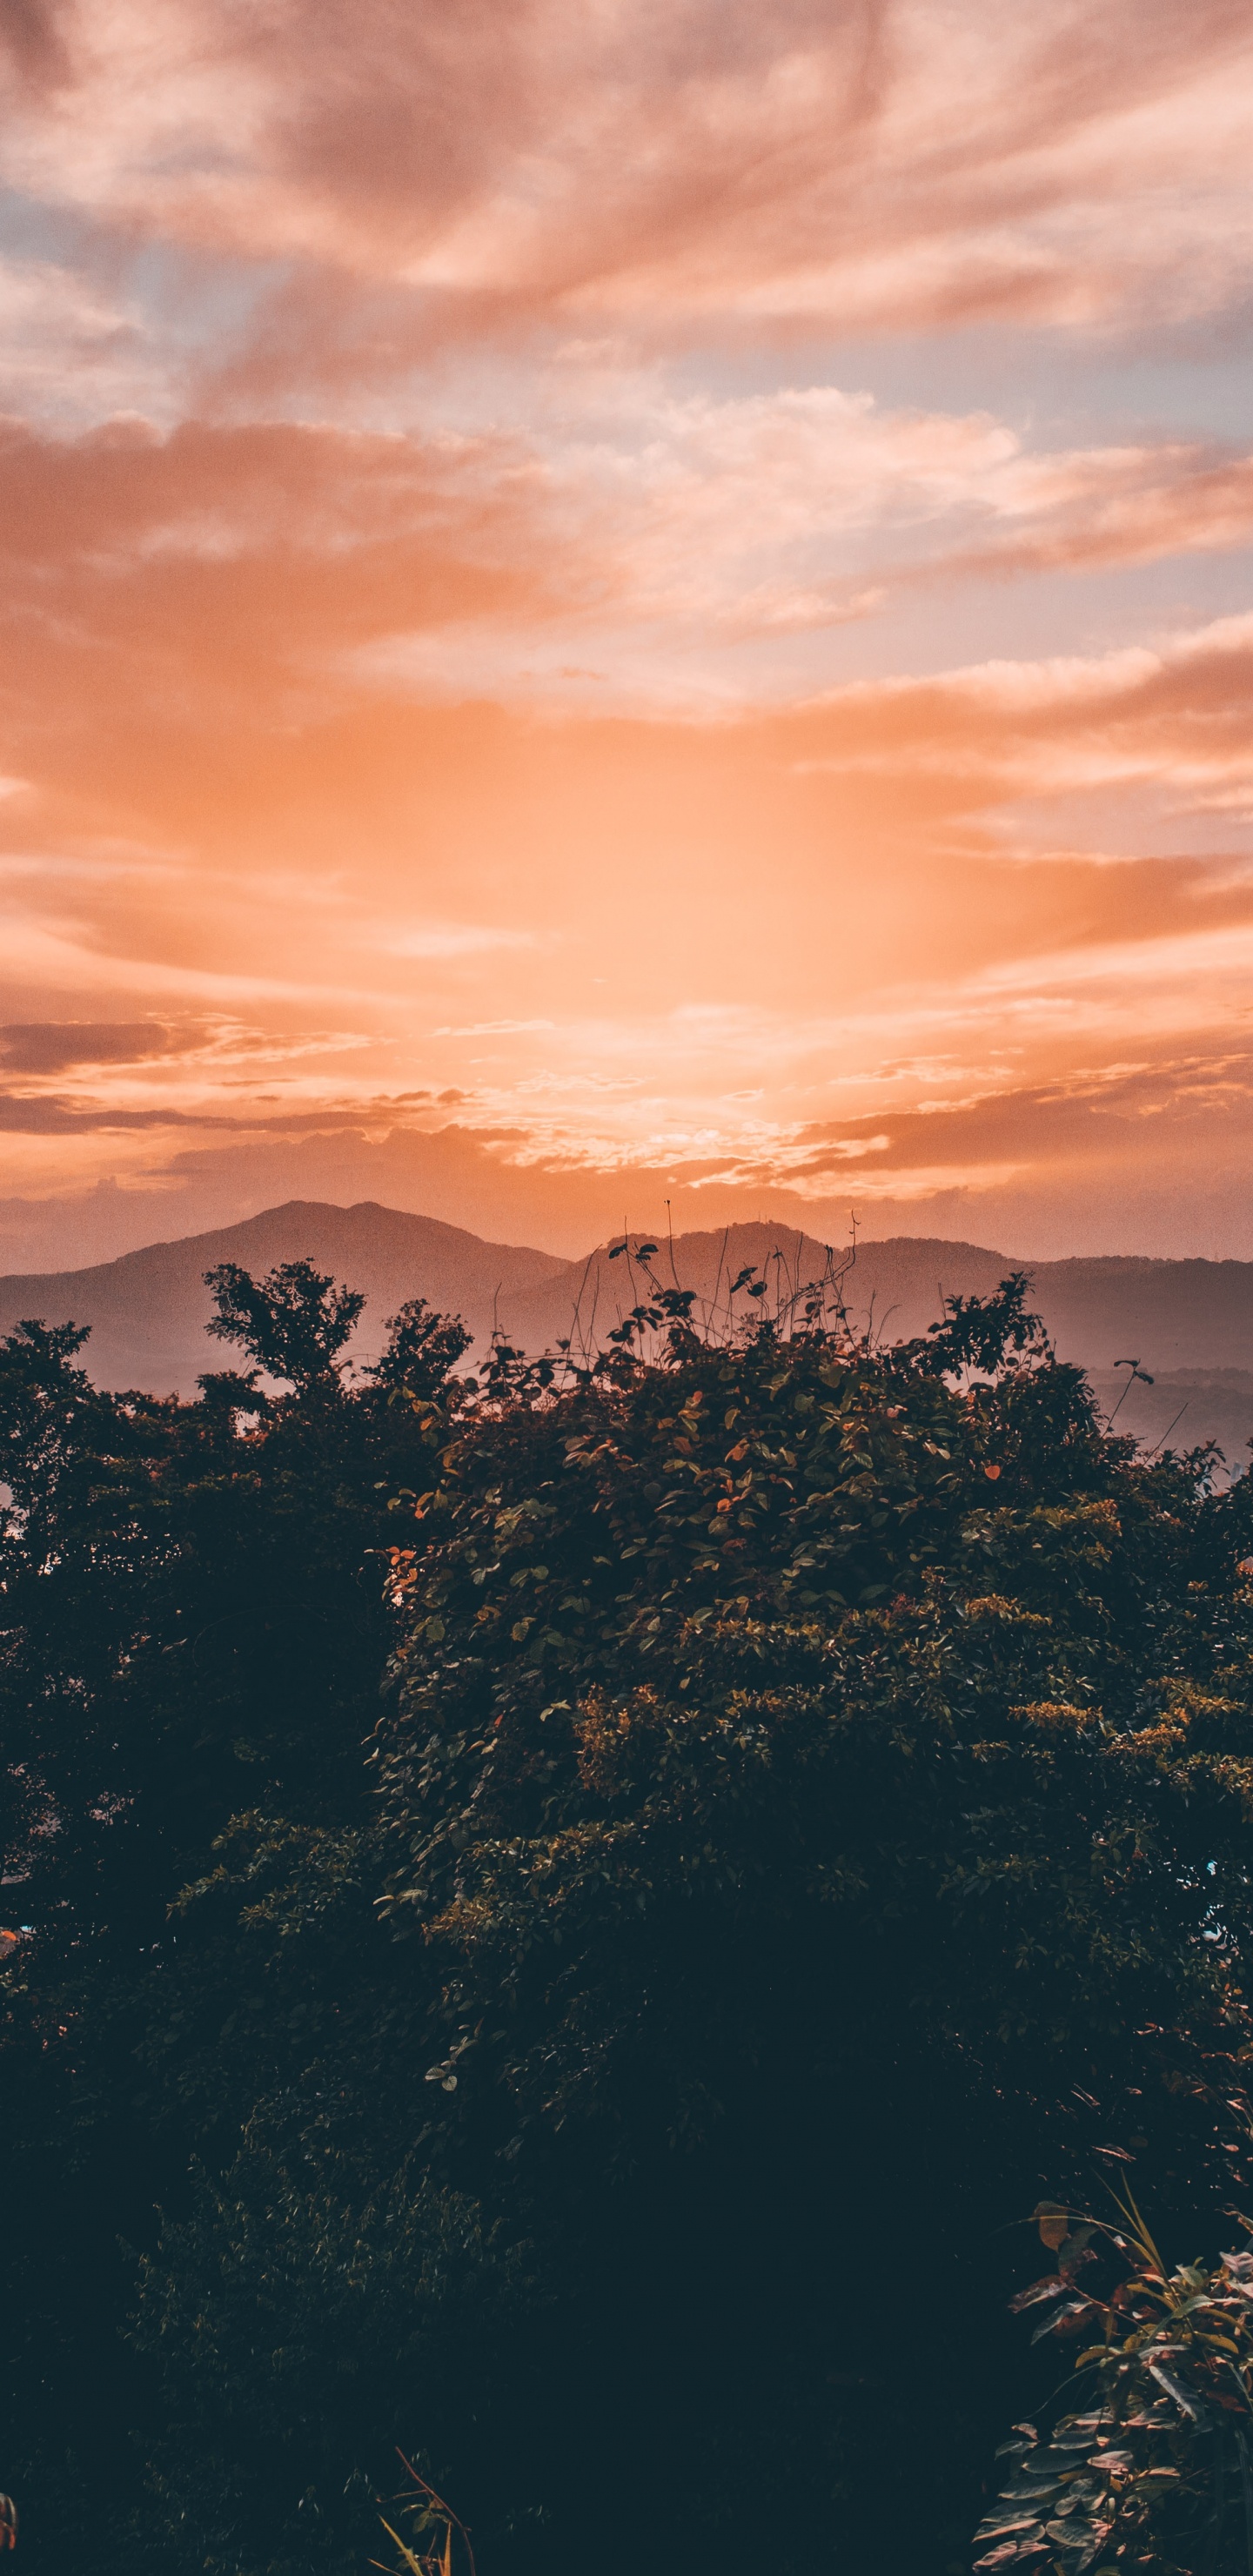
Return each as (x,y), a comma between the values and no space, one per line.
(606,607)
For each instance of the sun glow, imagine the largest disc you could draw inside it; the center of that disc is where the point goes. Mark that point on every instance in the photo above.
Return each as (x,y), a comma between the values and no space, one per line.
(607,616)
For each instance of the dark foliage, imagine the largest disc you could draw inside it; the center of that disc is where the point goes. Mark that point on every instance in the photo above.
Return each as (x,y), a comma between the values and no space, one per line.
(1149,2458)
(809,1815)
(193,1634)
(294,1322)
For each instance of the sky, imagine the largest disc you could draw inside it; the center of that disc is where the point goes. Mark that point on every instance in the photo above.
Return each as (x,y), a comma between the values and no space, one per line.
(622,603)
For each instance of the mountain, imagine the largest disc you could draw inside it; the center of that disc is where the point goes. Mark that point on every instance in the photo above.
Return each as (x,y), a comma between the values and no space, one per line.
(1188,1323)
(148,1310)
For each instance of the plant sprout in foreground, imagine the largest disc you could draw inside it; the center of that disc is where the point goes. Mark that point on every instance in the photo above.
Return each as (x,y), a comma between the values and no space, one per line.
(432,2522)
(1157,2471)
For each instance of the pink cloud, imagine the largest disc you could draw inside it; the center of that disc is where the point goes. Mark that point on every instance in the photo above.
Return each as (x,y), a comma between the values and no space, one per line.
(890,164)
(465,727)
(1175,713)
(272,564)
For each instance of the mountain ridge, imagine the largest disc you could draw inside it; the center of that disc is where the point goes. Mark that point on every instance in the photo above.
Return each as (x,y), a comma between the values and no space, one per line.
(1184,1320)
(148,1308)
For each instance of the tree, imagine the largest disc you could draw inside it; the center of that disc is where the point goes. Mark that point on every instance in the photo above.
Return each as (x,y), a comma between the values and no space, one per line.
(293,1323)
(807,1817)
(423,1347)
(818,1781)
(192,1634)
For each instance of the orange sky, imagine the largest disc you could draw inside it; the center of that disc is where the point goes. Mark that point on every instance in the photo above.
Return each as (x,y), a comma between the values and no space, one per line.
(623,602)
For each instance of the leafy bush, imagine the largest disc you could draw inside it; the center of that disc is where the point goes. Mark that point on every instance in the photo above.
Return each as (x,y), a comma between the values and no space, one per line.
(192,1632)
(1158,2470)
(819,1779)
(809,1812)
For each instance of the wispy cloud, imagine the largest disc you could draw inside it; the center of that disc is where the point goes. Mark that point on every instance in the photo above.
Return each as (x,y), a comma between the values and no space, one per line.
(589,596)
(893,164)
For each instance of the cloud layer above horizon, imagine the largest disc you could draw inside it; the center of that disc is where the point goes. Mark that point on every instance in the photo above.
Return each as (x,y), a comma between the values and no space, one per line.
(623,604)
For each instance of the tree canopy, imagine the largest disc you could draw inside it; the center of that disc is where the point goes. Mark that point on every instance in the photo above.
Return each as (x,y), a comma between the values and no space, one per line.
(569,1910)
(294,1322)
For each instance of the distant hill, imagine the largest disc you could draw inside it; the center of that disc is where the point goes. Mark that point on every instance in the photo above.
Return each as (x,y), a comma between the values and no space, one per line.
(148,1310)
(1189,1323)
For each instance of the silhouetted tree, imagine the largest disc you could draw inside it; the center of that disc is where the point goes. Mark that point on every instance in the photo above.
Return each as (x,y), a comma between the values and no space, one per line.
(293,1323)
(422,1347)
(192,1635)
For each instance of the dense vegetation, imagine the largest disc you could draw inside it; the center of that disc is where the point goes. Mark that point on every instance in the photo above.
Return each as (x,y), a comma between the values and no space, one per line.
(806,1819)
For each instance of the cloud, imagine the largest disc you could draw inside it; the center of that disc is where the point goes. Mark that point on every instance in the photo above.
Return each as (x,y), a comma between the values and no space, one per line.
(49,1046)
(126,501)
(453,939)
(498,1029)
(244,579)
(1140,1157)
(70,350)
(890,163)
(42,1115)
(803,507)
(1175,714)
(1093,1114)
(720,930)
(493,660)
